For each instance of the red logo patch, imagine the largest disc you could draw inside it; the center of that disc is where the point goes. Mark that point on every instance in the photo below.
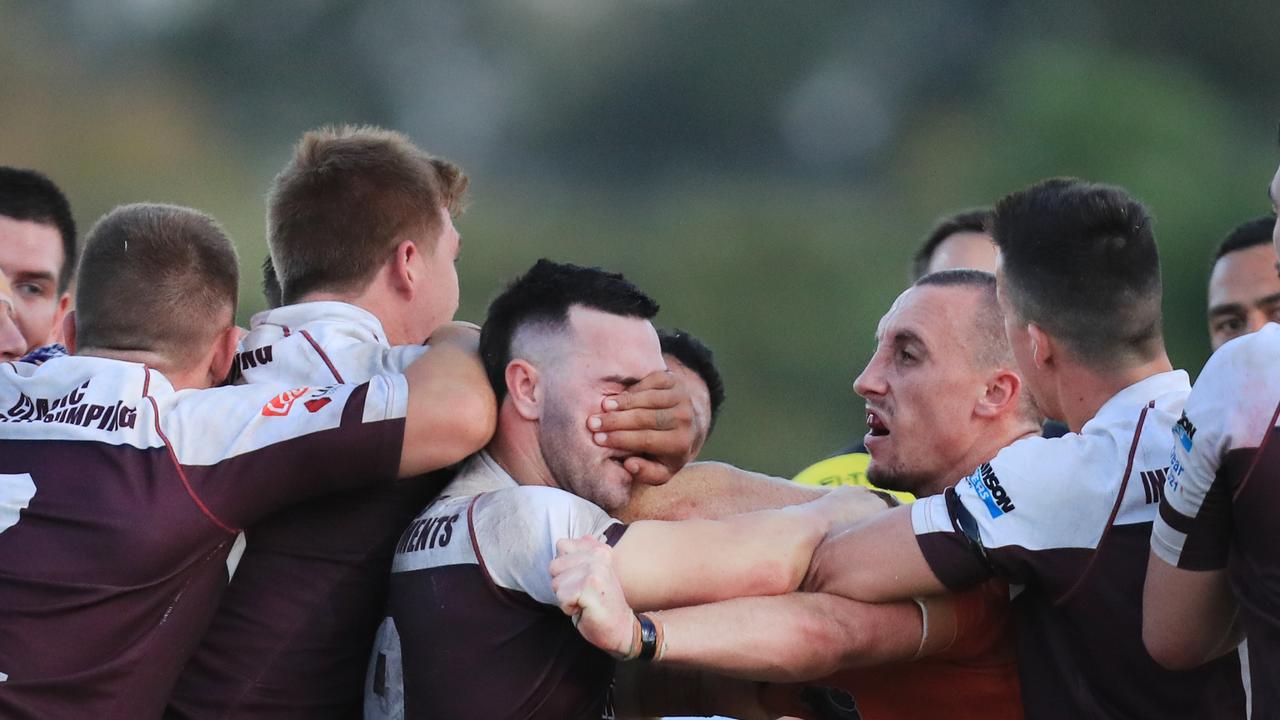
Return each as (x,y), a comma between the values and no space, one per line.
(280,405)
(315,405)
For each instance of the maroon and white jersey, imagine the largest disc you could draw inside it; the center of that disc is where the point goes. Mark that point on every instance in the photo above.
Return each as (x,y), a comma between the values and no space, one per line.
(1068,521)
(473,629)
(120,501)
(292,635)
(1221,506)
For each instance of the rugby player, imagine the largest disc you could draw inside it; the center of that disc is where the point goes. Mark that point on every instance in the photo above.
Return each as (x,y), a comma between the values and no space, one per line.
(1244,287)
(944,371)
(1067,520)
(362,238)
(956,241)
(12,344)
(472,629)
(1211,577)
(360,226)
(38,253)
(124,482)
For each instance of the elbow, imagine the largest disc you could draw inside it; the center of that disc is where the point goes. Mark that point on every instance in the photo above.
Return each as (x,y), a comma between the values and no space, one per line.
(474,419)
(1168,652)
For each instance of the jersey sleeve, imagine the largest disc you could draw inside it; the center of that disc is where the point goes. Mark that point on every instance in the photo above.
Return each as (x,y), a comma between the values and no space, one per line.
(248,450)
(1193,528)
(993,522)
(517,529)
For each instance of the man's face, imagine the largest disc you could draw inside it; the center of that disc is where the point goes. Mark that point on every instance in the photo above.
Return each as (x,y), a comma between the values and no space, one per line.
(920,388)
(31,255)
(964,250)
(608,354)
(12,345)
(1244,293)
(438,300)
(698,394)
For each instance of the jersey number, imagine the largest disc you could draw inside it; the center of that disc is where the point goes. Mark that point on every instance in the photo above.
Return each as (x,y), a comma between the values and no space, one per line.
(16,492)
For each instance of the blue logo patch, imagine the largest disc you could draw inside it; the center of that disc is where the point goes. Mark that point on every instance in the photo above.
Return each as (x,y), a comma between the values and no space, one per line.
(1184,431)
(987,487)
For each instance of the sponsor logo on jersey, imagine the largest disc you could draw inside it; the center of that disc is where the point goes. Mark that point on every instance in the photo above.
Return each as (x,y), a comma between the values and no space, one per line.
(427,533)
(319,398)
(1153,484)
(280,405)
(71,409)
(988,489)
(1184,431)
(250,359)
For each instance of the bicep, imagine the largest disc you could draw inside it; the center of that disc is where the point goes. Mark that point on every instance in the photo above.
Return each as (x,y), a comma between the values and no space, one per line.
(874,561)
(714,490)
(1188,616)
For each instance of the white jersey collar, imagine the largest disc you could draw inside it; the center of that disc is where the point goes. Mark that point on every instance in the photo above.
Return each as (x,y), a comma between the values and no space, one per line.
(480,474)
(1121,405)
(356,321)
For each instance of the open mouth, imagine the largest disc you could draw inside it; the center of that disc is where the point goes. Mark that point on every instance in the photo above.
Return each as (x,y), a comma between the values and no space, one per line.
(875,425)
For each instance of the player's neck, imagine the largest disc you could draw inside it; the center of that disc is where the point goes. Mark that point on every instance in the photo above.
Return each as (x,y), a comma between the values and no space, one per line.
(384,306)
(515,447)
(1083,391)
(989,443)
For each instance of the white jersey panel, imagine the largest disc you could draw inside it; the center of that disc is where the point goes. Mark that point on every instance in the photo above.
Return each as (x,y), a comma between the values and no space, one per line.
(1230,408)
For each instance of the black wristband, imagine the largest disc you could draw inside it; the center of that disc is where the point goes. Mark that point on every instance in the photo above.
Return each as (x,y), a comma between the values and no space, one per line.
(648,638)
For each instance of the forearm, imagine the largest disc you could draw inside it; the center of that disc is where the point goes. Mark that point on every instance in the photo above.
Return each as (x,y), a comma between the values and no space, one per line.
(451,407)
(674,564)
(789,638)
(713,490)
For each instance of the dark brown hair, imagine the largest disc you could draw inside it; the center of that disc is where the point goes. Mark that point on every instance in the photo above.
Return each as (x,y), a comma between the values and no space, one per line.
(344,201)
(156,278)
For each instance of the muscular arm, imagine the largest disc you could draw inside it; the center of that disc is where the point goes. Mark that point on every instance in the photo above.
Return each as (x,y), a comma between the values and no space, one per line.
(877,560)
(1188,617)
(452,410)
(713,490)
(801,636)
(672,564)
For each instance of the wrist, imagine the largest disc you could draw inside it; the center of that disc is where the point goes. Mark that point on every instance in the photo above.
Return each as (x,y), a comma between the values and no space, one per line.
(648,641)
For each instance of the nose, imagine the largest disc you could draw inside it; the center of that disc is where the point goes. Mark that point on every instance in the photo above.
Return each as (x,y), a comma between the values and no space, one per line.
(12,344)
(1257,320)
(871,381)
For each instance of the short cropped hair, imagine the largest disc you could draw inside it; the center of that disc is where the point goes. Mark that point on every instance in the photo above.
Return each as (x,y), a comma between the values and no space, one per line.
(543,297)
(988,342)
(1080,260)
(973,220)
(696,356)
(1246,235)
(349,195)
(29,195)
(271,284)
(157,278)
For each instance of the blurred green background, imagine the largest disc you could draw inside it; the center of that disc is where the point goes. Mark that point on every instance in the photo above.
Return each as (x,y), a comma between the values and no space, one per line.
(764,169)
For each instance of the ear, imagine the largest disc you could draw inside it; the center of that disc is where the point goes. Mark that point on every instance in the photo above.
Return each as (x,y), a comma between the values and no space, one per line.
(223,354)
(1043,348)
(524,388)
(1003,393)
(403,267)
(57,334)
(69,331)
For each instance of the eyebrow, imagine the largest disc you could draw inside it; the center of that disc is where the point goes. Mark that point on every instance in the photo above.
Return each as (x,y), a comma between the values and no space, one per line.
(907,336)
(29,275)
(1233,308)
